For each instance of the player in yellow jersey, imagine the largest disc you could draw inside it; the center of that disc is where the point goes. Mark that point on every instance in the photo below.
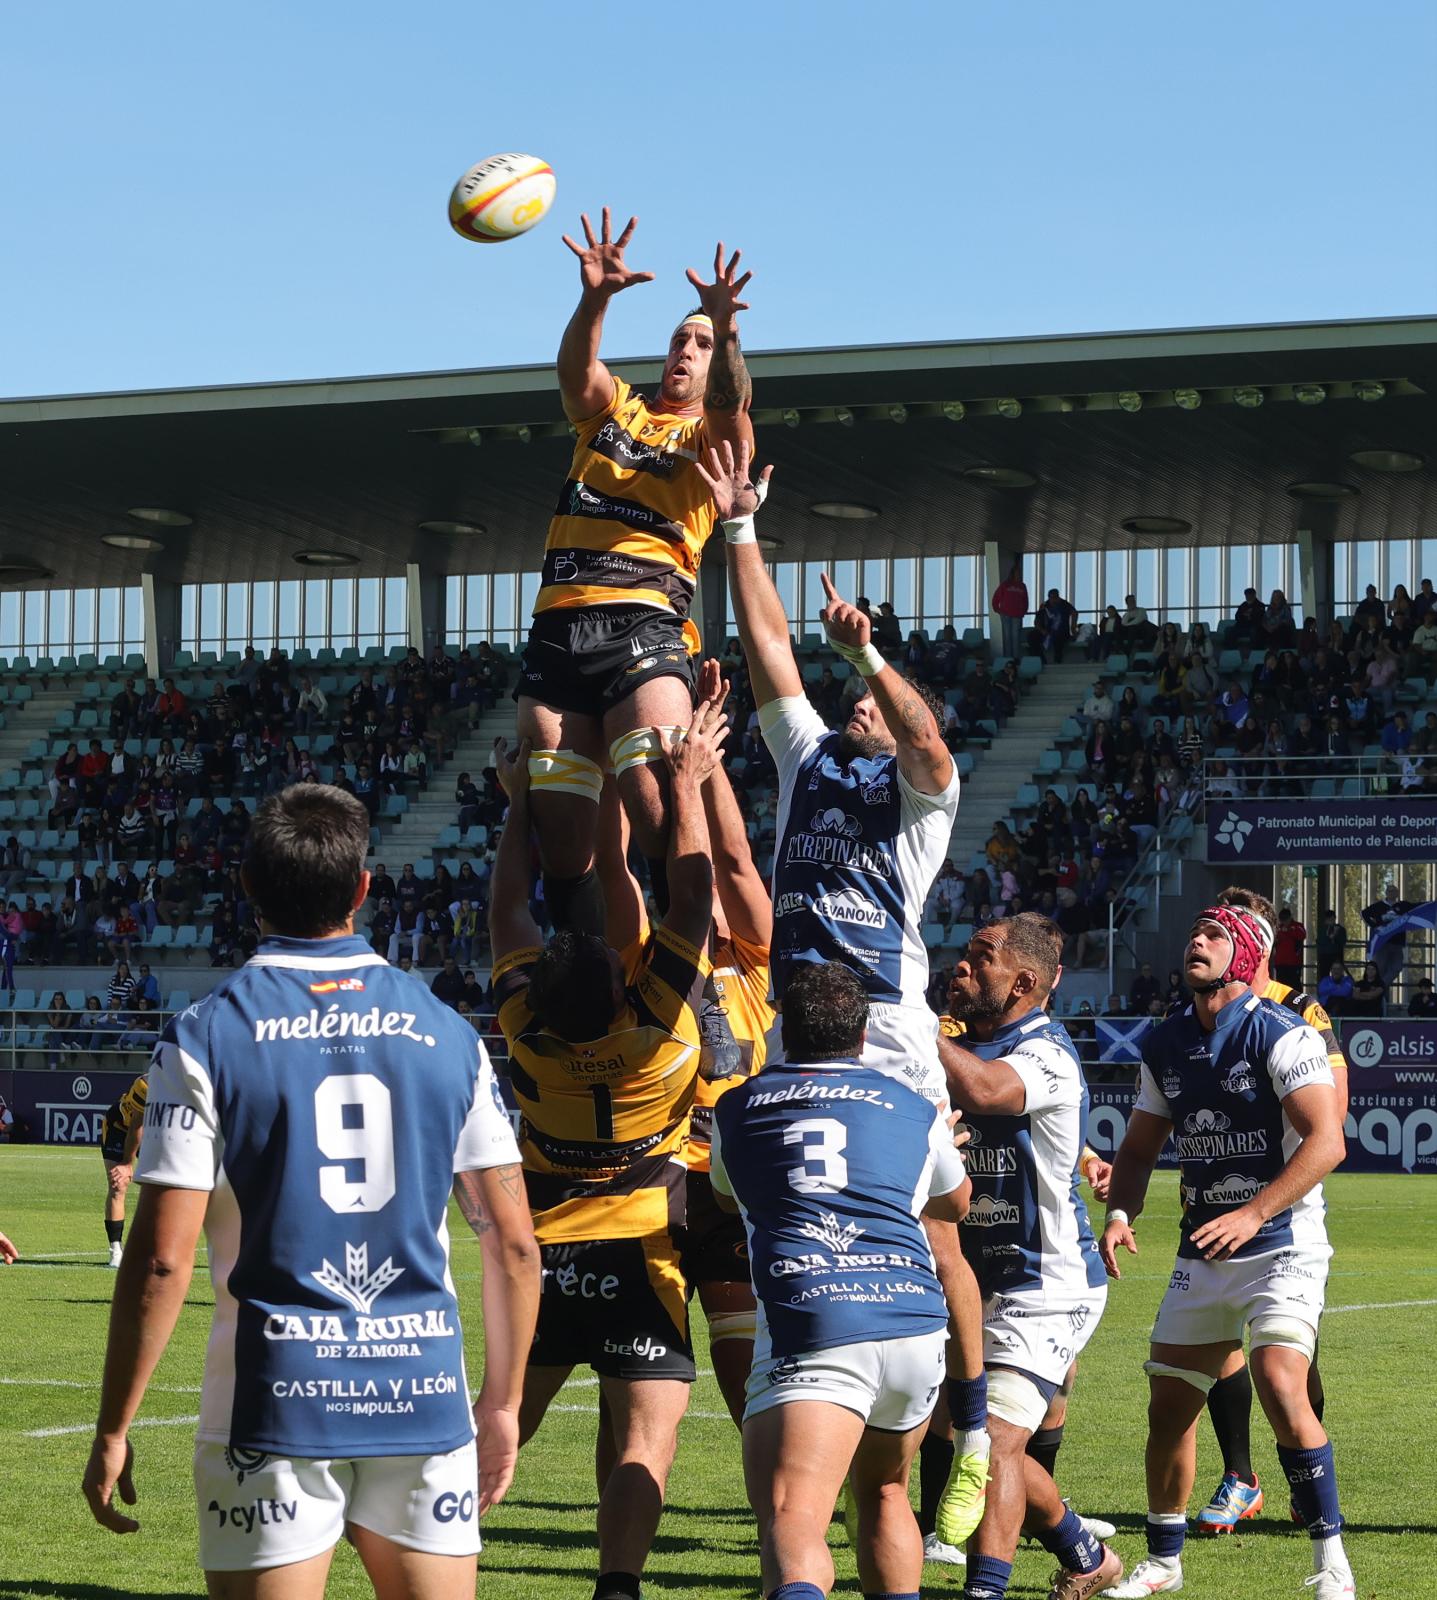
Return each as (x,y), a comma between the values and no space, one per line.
(1229,1402)
(603,1070)
(124,1127)
(733,1024)
(609,661)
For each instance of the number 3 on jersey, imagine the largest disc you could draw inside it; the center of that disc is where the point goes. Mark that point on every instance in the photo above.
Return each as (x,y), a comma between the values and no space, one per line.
(821,1142)
(354,1124)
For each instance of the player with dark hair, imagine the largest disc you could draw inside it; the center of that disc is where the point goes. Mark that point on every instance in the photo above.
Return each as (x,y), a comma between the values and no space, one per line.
(831,1162)
(1246,1089)
(120,1136)
(1229,1402)
(1017,1077)
(864,820)
(313,1113)
(607,673)
(603,1068)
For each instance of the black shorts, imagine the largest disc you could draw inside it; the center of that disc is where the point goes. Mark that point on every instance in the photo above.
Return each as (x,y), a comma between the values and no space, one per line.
(616,1305)
(716,1245)
(112,1140)
(591,659)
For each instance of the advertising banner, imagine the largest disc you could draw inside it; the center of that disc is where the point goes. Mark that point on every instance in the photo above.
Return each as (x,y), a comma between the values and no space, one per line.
(1399,828)
(63,1107)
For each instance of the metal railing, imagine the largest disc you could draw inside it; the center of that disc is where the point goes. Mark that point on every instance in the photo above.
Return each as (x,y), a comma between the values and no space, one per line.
(1262,776)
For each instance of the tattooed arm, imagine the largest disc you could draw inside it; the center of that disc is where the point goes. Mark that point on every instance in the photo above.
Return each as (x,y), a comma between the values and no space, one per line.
(496,1207)
(729,390)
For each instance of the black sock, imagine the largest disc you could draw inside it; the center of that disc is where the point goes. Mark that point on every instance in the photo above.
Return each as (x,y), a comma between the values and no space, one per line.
(1229,1404)
(1316,1394)
(115,1231)
(659,883)
(935,1462)
(1044,1445)
(617,1586)
(576,903)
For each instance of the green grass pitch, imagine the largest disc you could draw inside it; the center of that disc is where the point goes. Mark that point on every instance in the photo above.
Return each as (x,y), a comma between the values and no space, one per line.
(1377,1359)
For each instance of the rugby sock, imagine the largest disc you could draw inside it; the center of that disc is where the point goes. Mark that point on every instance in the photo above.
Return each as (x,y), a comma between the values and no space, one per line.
(987,1578)
(1044,1445)
(935,1462)
(1316,1394)
(617,1586)
(1313,1480)
(576,903)
(1166,1532)
(1229,1404)
(968,1403)
(1073,1545)
(114,1231)
(796,1591)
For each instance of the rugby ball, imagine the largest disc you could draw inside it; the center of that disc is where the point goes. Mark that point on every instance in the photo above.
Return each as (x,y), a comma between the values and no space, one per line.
(501,198)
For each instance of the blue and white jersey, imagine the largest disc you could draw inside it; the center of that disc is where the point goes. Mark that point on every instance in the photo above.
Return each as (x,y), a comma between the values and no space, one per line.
(858,849)
(1223,1092)
(326,1100)
(831,1166)
(1027,1229)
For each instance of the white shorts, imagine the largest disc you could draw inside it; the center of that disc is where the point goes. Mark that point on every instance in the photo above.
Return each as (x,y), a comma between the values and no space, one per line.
(891,1383)
(902,1043)
(260,1511)
(1212,1302)
(1031,1334)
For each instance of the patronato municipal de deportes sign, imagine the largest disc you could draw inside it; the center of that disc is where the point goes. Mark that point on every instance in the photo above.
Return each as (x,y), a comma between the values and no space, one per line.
(1382,828)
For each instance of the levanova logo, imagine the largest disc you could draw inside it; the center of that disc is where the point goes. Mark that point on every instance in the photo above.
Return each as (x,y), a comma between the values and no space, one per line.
(850,905)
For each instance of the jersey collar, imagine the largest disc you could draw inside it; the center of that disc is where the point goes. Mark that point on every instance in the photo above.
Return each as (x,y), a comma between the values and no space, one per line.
(316,955)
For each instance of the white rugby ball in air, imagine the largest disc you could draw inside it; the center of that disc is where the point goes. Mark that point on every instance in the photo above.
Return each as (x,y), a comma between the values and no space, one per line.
(501,198)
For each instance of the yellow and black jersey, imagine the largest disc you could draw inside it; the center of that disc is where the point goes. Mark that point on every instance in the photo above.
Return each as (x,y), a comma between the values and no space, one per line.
(633,516)
(741,984)
(132,1102)
(1312,1013)
(604,1123)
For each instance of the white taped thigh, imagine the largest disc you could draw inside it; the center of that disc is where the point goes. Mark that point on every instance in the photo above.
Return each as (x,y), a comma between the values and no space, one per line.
(1015,1398)
(1273,1327)
(1160,1369)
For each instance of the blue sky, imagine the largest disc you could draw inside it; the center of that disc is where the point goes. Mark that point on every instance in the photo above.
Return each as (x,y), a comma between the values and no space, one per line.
(234,192)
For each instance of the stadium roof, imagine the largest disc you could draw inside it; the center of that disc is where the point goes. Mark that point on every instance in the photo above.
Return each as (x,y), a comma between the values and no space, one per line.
(1107,430)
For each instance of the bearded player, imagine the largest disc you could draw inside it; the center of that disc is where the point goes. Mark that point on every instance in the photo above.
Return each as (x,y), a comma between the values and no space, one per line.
(864,821)
(1245,1087)
(608,667)
(1229,1402)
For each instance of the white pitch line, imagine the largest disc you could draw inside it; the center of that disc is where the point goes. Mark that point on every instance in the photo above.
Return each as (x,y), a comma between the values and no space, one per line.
(74,1383)
(89,1427)
(1379,1305)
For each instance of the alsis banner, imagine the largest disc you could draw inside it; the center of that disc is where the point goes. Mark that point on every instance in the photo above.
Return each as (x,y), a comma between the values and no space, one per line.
(1378,829)
(63,1107)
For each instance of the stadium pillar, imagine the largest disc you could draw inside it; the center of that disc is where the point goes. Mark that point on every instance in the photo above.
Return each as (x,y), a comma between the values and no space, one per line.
(998,558)
(1316,562)
(160,599)
(426,596)
(710,611)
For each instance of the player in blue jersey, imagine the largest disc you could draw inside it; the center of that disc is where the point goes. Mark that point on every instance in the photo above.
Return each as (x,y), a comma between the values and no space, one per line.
(831,1164)
(864,820)
(1245,1087)
(312,1114)
(1017,1079)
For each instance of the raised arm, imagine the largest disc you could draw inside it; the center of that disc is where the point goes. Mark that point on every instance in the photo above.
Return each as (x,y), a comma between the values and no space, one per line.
(762,626)
(923,758)
(692,756)
(624,913)
(586,385)
(986,1088)
(510,925)
(729,389)
(742,892)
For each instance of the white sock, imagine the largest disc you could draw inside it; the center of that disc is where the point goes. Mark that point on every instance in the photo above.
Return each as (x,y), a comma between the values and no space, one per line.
(1328,1553)
(972,1441)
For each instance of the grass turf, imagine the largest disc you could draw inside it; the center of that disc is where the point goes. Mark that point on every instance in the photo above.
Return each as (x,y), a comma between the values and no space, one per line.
(1375,1358)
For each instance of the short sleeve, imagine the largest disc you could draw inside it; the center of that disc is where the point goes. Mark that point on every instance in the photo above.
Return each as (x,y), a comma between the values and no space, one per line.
(915,805)
(487,1137)
(587,427)
(792,730)
(1048,1073)
(1296,1059)
(948,1169)
(511,990)
(183,1145)
(1150,1098)
(671,980)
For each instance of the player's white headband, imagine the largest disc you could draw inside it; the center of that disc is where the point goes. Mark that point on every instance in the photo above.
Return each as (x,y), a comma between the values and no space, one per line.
(701,317)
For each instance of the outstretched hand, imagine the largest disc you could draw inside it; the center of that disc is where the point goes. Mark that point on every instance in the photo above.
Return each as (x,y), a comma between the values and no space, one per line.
(735,494)
(602,269)
(1116,1233)
(513,770)
(693,754)
(720,299)
(845,624)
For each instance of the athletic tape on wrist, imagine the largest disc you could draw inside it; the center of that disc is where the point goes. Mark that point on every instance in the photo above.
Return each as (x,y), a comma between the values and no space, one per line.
(1117,1214)
(864,659)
